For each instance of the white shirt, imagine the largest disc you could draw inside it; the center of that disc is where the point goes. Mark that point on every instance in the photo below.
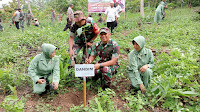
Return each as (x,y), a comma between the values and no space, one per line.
(17,15)
(37,23)
(111,13)
(70,13)
(90,18)
(118,9)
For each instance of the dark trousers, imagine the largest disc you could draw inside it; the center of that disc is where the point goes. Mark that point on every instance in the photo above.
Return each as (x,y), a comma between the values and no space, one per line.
(68,25)
(17,24)
(111,25)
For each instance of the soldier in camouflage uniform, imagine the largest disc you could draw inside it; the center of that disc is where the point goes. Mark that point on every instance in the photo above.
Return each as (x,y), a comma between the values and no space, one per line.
(53,15)
(1,26)
(82,34)
(108,51)
(28,18)
(21,19)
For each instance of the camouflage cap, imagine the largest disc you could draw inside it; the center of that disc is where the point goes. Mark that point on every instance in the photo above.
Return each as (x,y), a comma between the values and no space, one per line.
(78,16)
(105,30)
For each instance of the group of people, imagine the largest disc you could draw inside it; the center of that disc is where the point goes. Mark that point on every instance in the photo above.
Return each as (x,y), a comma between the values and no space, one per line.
(19,17)
(53,16)
(112,14)
(44,69)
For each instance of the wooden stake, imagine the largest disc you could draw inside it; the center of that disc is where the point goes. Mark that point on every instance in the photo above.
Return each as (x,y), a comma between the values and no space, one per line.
(84,91)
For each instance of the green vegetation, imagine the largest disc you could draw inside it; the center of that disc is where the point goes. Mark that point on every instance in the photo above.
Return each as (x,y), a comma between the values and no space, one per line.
(175,83)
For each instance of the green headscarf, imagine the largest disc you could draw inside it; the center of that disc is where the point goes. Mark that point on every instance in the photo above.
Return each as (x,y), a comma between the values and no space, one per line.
(162,3)
(47,50)
(140,40)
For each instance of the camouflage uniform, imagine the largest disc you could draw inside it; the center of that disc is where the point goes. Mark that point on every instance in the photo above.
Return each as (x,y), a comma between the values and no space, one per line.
(106,53)
(90,29)
(53,14)
(28,17)
(21,18)
(1,27)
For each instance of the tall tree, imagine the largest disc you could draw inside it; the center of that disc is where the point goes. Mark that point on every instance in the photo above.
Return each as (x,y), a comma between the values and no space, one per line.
(155,3)
(149,4)
(142,8)
(29,6)
(18,2)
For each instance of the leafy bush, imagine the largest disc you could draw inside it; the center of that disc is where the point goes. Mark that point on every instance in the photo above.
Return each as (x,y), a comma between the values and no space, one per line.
(102,102)
(12,103)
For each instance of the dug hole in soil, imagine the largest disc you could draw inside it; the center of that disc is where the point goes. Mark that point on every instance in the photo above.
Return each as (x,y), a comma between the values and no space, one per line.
(65,100)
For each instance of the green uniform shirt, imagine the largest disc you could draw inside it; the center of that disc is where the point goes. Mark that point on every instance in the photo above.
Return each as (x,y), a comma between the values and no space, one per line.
(137,59)
(160,7)
(28,16)
(43,66)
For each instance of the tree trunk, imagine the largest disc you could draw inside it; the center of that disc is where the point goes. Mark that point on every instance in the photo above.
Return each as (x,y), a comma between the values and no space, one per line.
(29,7)
(142,8)
(43,5)
(18,3)
(190,4)
(149,5)
(155,3)
(182,3)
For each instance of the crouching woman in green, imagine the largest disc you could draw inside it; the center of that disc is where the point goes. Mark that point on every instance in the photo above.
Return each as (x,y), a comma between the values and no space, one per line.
(141,62)
(44,70)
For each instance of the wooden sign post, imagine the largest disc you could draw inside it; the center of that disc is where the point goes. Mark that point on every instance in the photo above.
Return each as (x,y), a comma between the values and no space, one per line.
(84,70)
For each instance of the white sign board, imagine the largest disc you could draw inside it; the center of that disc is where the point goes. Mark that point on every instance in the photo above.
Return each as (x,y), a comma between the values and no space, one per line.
(84,70)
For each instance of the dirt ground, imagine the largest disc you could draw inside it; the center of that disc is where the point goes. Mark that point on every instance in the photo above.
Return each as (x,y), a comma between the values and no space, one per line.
(65,101)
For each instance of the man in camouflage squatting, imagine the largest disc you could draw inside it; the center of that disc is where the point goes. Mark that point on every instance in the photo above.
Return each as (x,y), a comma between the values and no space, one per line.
(21,19)
(81,29)
(108,51)
(28,18)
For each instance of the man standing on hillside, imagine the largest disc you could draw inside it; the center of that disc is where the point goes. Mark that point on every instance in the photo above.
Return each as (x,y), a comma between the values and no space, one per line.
(82,34)
(53,15)
(118,11)
(21,19)
(70,16)
(111,15)
(16,18)
(1,26)
(28,18)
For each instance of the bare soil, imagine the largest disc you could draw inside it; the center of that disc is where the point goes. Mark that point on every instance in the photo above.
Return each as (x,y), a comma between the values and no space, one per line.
(65,101)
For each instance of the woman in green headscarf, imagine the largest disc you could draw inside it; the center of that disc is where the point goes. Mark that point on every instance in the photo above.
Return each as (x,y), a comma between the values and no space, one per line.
(44,69)
(159,10)
(141,62)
